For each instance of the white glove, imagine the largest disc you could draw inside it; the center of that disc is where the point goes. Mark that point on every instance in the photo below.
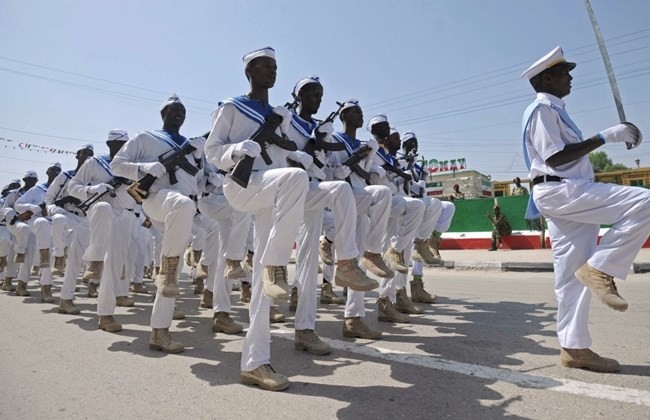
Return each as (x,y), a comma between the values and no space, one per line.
(215,179)
(304,159)
(99,188)
(342,172)
(373,144)
(156,169)
(326,128)
(248,148)
(620,133)
(199,144)
(286,118)
(376,169)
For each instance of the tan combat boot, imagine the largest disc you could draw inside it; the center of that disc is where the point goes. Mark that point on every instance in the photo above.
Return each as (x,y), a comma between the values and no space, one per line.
(601,285)
(93,271)
(167,279)
(376,265)
(21,289)
(418,294)
(386,312)
(161,339)
(587,359)
(308,340)
(202,272)
(156,271)
(293,300)
(245,295)
(356,328)
(404,305)
(325,250)
(434,246)
(275,315)
(275,282)
(19,258)
(44,255)
(178,314)
(266,378)
(108,324)
(3,263)
(248,264)
(206,299)
(422,253)
(196,257)
(46,294)
(198,286)
(124,301)
(92,290)
(188,257)
(396,260)
(59,266)
(222,322)
(234,270)
(139,288)
(328,297)
(7,286)
(348,274)
(67,307)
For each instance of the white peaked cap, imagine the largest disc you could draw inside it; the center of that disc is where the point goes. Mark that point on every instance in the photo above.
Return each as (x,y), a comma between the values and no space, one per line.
(379,118)
(553,58)
(117,135)
(262,52)
(174,99)
(408,135)
(305,81)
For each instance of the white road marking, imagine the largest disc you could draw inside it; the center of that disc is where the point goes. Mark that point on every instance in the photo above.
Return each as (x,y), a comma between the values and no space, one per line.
(614,393)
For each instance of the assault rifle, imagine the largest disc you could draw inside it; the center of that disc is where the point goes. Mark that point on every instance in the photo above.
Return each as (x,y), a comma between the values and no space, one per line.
(318,144)
(172,160)
(264,136)
(399,172)
(68,199)
(353,163)
(115,183)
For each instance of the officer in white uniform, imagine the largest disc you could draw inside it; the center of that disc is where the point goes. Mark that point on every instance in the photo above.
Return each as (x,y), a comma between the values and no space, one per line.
(575,207)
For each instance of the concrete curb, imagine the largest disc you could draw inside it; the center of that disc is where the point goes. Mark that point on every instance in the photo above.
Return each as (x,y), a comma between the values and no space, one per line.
(535,267)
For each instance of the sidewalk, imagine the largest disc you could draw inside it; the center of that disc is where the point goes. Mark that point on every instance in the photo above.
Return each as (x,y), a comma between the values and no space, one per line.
(540,260)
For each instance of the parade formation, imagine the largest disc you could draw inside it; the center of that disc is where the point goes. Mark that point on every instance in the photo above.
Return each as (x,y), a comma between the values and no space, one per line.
(235,202)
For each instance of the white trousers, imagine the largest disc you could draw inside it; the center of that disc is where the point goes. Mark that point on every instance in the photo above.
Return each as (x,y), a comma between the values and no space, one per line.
(175,212)
(123,224)
(99,221)
(276,199)
(61,233)
(432,212)
(406,215)
(79,241)
(574,212)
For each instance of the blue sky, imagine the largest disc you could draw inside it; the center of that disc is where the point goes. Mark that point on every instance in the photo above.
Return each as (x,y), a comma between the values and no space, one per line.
(449,70)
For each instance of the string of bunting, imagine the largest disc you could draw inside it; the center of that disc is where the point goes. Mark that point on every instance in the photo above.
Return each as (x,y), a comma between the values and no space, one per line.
(15,144)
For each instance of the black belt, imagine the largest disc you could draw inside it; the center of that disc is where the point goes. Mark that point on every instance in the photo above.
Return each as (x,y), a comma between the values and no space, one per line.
(546,178)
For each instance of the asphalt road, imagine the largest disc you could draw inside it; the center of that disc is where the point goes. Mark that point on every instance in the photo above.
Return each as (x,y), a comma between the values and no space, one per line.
(486,350)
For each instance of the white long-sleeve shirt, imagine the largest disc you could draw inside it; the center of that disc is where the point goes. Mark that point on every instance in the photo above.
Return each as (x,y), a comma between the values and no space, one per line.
(31,200)
(231,126)
(338,157)
(96,171)
(145,147)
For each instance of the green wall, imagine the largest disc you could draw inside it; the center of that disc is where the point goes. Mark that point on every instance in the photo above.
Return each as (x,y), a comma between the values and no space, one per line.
(470,214)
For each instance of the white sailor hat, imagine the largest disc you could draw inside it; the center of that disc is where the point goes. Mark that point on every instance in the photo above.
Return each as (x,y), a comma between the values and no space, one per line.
(86,146)
(408,135)
(262,52)
(174,99)
(14,181)
(350,103)
(117,135)
(379,118)
(30,174)
(56,164)
(553,58)
(393,131)
(305,81)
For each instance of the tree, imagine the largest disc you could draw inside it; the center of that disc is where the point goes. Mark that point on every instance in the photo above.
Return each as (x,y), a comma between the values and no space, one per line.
(602,163)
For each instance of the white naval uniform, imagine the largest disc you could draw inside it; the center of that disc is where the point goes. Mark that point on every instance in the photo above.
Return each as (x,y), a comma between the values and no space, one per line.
(275,197)
(24,238)
(574,210)
(62,228)
(336,196)
(112,223)
(167,204)
(373,210)
(406,216)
